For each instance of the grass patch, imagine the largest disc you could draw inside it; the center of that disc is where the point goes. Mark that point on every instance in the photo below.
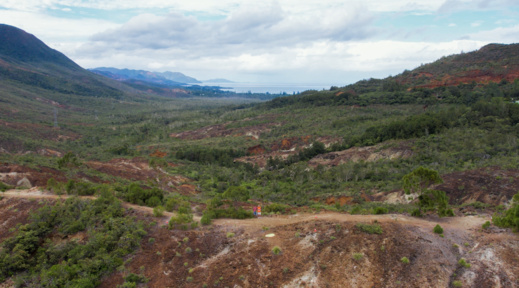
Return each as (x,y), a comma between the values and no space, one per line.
(358,256)
(369,228)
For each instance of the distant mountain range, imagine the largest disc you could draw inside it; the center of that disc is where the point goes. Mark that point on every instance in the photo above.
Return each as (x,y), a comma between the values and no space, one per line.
(218,80)
(164,78)
(29,69)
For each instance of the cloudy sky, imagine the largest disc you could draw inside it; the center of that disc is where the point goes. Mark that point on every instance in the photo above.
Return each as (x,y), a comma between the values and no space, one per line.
(336,42)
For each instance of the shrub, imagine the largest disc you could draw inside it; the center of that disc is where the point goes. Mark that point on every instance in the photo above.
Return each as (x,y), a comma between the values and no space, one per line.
(276,250)
(158,211)
(230,234)
(457,283)
(404,260)
(189,279)
(510,218)
(380,210)
(231,212)
(206,219)
(486,225)
(180,221)
(438,229)
(358,256)
(68,160)
(276,207)
(136,278)
(462,262)
(4,187)
(416,213)
(171,204)
(369,228)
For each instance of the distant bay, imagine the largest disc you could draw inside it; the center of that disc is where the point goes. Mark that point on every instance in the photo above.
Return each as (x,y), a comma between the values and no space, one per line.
(277,88)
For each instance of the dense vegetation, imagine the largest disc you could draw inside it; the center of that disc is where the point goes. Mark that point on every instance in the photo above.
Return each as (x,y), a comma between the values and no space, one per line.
(90,119)
(106,236)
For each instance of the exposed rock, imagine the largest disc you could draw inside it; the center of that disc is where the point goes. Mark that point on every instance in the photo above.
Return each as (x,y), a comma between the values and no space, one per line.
(369,154)
(24,183)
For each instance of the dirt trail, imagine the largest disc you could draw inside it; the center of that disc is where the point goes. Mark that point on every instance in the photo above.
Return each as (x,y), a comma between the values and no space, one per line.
(458,223)
(318,250)
(37,193)
(467,223)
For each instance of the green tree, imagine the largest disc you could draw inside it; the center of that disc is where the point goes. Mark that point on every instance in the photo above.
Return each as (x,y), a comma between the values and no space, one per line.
(418,181)
(236,193)
(511,216)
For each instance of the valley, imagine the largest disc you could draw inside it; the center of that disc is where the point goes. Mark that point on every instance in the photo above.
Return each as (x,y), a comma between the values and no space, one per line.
(108,183)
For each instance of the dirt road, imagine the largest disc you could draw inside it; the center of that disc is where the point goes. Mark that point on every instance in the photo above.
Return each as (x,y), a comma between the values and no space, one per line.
(458,223)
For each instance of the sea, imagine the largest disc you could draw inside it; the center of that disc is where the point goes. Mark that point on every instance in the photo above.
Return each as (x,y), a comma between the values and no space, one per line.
(283,88)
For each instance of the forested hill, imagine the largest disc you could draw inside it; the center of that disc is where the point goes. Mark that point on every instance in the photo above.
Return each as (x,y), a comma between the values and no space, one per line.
(491,63)
(28,63)
(20,47)
(462,78)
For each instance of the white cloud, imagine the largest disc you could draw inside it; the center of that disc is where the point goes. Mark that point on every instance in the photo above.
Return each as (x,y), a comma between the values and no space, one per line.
(498,35)
(52,29)
(300,40)
(250,29)
(464,5)
(320,61)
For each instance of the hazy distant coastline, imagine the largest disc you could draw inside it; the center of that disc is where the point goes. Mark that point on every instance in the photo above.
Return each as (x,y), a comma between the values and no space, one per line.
(272,88)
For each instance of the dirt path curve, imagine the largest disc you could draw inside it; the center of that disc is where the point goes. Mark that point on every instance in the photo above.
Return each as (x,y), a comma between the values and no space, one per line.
(466,223)
(37,193)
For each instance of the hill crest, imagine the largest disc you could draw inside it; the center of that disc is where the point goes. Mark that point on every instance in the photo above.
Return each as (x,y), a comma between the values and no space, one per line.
(491,63)
(17,46)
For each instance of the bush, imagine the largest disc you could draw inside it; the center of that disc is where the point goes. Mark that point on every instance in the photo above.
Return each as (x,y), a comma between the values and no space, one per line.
(276,207)
(446,213)
(416,213)
(180,221)
(486,225)
(135,194)
(171,204)
(99,255)
(358,256)
(136,278)
(462,262)
(510,219)
(4,187)
(158,211)
(68,160)
(438,229)
(404,260)
(380,210)
(456,283)
(276,250)
(230,212)
(370,229)
(206,219)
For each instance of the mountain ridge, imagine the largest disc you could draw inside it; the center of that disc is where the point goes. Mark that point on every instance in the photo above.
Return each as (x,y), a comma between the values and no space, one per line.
(166,78)
(491,63)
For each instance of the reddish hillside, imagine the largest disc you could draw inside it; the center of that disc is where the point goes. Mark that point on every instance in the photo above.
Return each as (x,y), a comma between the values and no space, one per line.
(491,63)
